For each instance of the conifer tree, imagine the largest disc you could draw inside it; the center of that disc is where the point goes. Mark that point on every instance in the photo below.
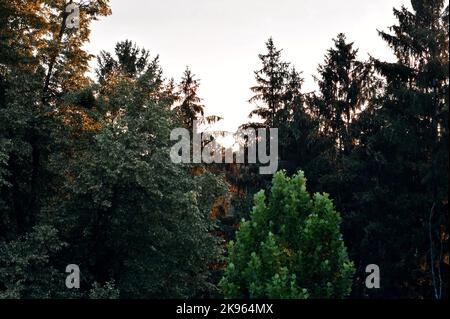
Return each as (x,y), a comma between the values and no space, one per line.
(343,90)
(189,108)
(270,89)
(130,61)
(402,159)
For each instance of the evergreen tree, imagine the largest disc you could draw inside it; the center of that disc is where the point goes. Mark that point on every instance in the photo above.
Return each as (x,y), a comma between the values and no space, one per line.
(279,90)
(299,135)
(401,162)
(270,89)
(189,108)
(131,61)
(346,85)
(344,89)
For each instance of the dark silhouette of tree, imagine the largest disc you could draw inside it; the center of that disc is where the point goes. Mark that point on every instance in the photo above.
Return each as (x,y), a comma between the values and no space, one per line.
(270,87)
(189,108)
(130,61)
(344,88)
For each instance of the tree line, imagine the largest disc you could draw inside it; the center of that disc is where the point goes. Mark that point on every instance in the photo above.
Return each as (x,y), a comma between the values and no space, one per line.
(86,178)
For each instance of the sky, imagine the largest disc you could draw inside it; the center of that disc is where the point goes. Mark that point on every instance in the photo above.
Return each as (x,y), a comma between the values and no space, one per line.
(220,40)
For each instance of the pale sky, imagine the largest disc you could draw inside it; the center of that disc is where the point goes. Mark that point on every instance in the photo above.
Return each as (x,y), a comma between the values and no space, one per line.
(220,39)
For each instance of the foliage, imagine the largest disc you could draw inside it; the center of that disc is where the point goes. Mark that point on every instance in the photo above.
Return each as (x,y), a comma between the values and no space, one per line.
(85,175)
(27,265)
(290,248)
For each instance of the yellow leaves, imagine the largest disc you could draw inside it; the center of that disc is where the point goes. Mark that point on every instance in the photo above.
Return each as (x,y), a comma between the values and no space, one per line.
(288,252)
(221,207)
(444,233)
(79,120)
(423,265)
(445,260)
(197,171)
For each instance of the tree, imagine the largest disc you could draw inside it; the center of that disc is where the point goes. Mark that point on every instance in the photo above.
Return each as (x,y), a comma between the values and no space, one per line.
(401,161)
(145,219)
(190,108)
(40,60)
(27,266)
(65,60)
(86,168)
(131,61)
(282,106)
(300,139)
(344,85)
(290,248)
(270,88)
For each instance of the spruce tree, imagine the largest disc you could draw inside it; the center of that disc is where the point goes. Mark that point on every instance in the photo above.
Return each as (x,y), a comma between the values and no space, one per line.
(402,159)
(189,107)
(343,90)
(270,89)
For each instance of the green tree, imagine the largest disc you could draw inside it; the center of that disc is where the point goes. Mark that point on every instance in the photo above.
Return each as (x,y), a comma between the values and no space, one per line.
(344,86)
(40,60)
(398,216)
(300,140)
(270,89)
(189,108)
(290,248)
(86,168)
(280,104)
(27,266)
(130,61)
(145,219)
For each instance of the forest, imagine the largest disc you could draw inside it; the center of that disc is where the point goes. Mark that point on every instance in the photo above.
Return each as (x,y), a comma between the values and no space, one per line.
(86,177)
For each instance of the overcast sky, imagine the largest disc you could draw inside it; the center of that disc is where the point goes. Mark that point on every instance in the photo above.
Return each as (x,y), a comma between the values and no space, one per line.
(220,39)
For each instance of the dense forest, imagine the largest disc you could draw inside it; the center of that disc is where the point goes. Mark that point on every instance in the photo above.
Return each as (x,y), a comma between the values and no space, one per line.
(86,177)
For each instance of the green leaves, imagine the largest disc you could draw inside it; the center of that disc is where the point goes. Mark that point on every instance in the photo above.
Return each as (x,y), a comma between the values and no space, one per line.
(290,248)
(27,268)
(145,219)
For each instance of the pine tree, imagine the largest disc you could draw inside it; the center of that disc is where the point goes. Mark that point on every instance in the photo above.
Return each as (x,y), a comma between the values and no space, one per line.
(402,159)
(344,89)
(298,131)
(130,61)
(270,89)
(189,108)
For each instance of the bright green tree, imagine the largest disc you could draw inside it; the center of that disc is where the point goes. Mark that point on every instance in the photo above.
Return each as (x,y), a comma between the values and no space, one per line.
(291,247)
